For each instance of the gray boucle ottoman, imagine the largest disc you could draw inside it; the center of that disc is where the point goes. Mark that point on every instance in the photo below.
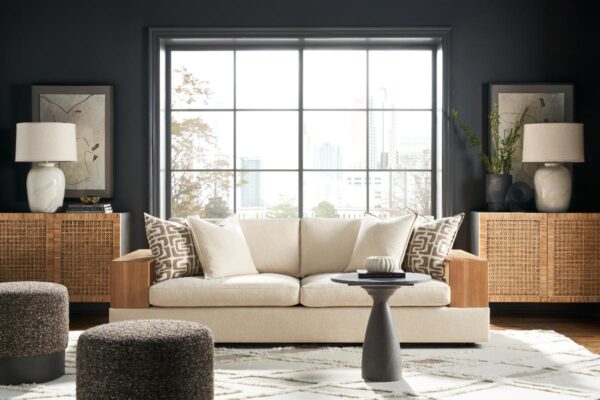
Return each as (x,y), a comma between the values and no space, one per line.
(145,359)
(34,331)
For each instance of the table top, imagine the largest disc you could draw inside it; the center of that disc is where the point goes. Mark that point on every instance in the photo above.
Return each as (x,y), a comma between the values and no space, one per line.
(352,279)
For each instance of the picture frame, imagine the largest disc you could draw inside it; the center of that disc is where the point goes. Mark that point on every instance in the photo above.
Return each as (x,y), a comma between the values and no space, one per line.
(90,108)
(545,102)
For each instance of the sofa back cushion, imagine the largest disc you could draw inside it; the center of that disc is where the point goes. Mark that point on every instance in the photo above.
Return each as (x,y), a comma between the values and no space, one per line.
(274,244)
(327,244)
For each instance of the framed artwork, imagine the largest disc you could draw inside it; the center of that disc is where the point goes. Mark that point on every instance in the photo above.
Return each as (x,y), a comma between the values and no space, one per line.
(90,109)
(546,102)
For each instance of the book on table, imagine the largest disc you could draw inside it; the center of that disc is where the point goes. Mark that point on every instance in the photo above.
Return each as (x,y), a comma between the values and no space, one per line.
(105,208)
(364,274)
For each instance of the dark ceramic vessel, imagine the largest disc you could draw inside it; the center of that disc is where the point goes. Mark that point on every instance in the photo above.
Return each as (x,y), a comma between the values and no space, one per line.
(496,186)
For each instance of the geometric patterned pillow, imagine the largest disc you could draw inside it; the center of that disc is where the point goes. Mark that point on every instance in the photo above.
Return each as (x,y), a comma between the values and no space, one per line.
(430,244)
(171,243)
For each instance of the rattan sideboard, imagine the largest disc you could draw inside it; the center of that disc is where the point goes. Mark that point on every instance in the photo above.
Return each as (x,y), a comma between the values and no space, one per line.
(74,249)
(539,257)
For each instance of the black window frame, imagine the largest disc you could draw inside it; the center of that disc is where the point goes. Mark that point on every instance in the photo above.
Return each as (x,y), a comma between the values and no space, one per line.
(163,41)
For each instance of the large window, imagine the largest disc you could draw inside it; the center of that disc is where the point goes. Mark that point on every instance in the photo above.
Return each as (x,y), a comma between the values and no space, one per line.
(273,132)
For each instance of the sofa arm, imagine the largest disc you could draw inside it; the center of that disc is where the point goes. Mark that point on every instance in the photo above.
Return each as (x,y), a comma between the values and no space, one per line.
(467,276)
(130,278)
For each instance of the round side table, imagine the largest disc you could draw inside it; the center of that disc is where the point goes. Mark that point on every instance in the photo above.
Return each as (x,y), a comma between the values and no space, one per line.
(381,360)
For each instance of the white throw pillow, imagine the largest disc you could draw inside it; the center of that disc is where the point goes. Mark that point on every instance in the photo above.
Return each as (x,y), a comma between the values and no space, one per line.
(222,248)
(378,237)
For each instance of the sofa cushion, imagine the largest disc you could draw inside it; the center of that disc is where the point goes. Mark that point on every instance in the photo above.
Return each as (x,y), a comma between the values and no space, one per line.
(222,249)
(320,291)
(274,244)
(379,237)
(172,246)
(234,291)
(327,244)
(430,244)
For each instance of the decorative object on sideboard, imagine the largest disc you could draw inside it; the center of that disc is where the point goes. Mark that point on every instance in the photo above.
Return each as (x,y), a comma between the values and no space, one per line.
(44,144)
(553,144)
(496,186)
(381,264)
(544,102)
(519,197)
(85,199)
(499,165)
(90,109)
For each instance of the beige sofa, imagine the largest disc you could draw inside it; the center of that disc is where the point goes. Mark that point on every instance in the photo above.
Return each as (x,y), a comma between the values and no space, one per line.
(293,300)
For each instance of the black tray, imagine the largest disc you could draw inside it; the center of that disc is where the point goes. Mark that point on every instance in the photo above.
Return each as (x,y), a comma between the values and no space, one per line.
(363,274)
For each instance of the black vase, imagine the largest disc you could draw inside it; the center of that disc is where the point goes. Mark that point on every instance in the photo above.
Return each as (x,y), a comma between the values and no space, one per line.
(496,186)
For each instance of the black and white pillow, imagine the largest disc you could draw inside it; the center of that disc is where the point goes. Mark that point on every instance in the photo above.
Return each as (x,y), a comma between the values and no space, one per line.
(430,244)
(172,245)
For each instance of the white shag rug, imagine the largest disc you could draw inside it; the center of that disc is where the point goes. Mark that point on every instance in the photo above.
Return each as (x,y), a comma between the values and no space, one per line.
(514,365)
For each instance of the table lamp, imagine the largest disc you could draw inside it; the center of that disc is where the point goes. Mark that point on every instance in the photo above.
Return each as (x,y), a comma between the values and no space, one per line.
(45,143)
(553,144)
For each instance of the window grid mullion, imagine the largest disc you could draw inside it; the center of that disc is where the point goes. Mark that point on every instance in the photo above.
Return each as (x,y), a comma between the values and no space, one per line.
(235,131)
(368,166)
(433,161)
(300,131)
(297,170)
(168,177)
(298,109)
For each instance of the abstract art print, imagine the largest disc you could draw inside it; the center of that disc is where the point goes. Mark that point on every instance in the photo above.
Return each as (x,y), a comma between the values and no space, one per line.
(90,109)
(545,102)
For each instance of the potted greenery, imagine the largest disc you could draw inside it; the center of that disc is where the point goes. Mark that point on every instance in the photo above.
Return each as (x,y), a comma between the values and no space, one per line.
(498,167)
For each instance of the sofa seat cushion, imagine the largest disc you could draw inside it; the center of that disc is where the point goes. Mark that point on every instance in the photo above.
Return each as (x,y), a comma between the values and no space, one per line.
(233,291)
(320,291)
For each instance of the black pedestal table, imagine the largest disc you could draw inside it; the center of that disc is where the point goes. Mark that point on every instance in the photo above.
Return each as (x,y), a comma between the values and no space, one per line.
(381,360)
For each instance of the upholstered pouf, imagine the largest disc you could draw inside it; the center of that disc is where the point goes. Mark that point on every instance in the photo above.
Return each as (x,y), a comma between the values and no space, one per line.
(34,331)
(145,359)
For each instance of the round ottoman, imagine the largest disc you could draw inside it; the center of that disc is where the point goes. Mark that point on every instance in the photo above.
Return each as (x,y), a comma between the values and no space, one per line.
(145,359)
(34,331)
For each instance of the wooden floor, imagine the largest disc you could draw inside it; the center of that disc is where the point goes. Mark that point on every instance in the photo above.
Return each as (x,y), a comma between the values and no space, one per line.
(582,330)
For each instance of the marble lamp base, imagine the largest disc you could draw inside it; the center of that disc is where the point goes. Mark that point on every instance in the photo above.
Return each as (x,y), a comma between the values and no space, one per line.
(45,187)
(553,185)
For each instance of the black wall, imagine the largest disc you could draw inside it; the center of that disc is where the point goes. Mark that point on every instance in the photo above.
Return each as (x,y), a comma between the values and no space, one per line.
(105,42)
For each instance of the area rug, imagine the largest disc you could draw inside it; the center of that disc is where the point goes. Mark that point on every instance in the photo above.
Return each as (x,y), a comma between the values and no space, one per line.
(514,365)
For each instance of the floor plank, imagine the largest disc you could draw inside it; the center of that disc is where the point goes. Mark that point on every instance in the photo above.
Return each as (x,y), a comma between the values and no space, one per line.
(582,330)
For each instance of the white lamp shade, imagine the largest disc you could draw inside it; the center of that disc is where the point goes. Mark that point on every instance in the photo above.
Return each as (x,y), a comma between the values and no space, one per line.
(553,142)
(46,141)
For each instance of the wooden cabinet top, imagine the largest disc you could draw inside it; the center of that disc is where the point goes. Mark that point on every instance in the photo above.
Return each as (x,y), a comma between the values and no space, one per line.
(516,215)
(74,216)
